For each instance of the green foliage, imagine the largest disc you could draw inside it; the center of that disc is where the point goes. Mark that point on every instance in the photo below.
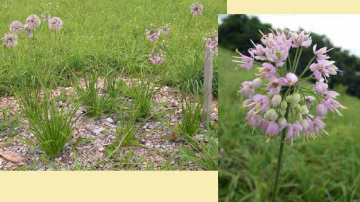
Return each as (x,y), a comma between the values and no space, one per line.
(325,169)
(190,115)
(236,30)
(95,98)
(94,33)
(141,94)
(51,126)
(206,153)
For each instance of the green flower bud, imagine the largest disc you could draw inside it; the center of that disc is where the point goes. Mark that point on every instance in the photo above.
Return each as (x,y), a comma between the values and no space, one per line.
(282,112)
(298,116)
(305,124)
(271,115)
(303,110)
(289,98)
(282,121)
(283,104)
(297,107)
(296,98)
(276,100)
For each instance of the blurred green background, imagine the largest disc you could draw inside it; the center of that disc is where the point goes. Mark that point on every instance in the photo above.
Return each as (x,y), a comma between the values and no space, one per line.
(326,169)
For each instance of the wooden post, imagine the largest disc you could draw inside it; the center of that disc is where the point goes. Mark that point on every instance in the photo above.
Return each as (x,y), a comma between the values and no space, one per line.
(208,77)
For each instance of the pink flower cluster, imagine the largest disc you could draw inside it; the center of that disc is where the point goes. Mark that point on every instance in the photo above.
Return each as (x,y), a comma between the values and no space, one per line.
(284,102)
(157,58)
(33,21)
(196,9)
(212,42)
(153,33)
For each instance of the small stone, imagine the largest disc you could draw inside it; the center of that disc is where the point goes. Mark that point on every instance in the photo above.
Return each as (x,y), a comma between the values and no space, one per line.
(110,120)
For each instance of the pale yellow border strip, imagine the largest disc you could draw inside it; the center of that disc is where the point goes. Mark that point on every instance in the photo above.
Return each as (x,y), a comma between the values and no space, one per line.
(293,6)
(101,186)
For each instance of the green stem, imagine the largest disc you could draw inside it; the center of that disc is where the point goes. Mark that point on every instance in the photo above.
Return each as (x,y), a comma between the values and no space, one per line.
(307,67)
(282,143)
(297,61)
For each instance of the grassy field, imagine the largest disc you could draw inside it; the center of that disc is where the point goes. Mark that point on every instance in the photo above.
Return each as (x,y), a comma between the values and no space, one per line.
(326,169)
(111,33)
(88,97)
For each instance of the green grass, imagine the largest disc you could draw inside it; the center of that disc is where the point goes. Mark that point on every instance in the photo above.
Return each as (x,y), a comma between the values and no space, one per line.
(326,169)
(109,33)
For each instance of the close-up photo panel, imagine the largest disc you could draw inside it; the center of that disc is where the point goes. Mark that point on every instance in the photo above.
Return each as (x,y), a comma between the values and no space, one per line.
(289,107)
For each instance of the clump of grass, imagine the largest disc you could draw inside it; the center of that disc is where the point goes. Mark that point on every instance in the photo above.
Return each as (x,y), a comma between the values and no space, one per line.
(141,94)
(51,126)
(206,153)
(95,99)
(190,115)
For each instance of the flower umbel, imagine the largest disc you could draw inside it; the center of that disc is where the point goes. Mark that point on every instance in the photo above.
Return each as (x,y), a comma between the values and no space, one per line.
(10,40)
(55,23)
(196,9)
(284,103)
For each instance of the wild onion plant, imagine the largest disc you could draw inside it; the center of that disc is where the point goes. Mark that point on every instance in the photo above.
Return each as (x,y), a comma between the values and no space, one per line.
(142,94)
(51,126)
(190,116)
(97,100)
(206,152)
(283,103)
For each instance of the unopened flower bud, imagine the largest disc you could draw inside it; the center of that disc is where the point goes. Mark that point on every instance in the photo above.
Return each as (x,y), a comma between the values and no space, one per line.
(282,112)
(296,98)
(283,104)
(321,110)
(276,100)
(297,107)
(282,121)
(256,83)
(298,116)
(289,98)
(305,124)
(303,110)
(271,115)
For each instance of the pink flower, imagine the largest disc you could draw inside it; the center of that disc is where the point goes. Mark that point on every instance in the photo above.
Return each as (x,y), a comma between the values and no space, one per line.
(29,32)
(33,21)
(320,87)
(253,120)
(277,56)
(321,110)
(263,125)
(331,104)
(320,54)
(46,16)
(246,89)
(258,51)
(301,39)
(157,58)
(196,9)
(291,79)
(273,128)
(152,35)
(294,129)
(55,23)
(10,40)
(318,125)
(257,103)
(15,27)
(245,61)
(165,30)
(274,86)
(309,100)
(267,70)
(212,43)
(323,68)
